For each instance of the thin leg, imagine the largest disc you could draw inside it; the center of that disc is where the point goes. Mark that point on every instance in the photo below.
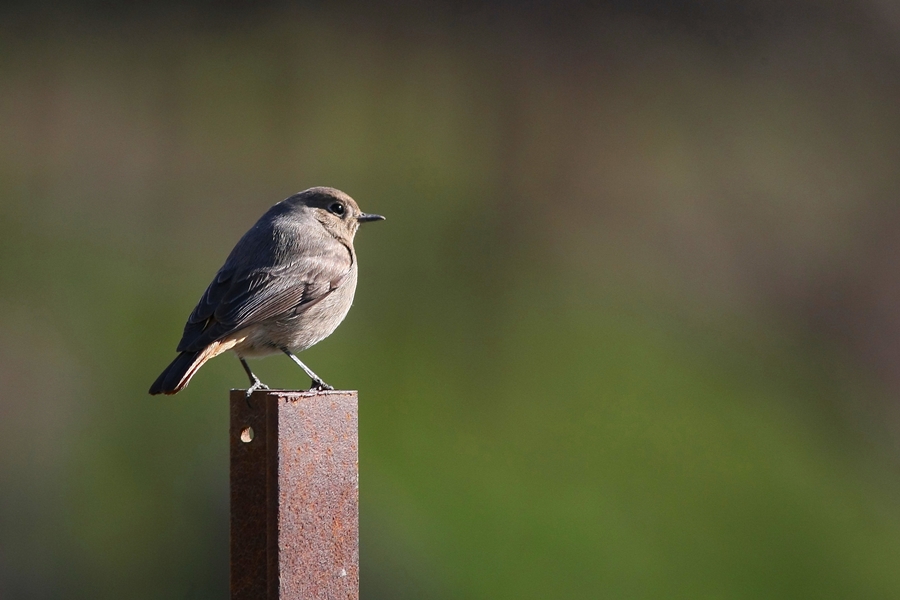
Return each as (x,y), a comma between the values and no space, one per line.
(255,383)
(318,384)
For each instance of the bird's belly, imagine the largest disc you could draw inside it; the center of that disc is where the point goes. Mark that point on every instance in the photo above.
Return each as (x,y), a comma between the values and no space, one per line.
(317,322)
(299,332)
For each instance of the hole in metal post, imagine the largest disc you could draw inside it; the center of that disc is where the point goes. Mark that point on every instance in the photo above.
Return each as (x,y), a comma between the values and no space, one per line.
(247,435)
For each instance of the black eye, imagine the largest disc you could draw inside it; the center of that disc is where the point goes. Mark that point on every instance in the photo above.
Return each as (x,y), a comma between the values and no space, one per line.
(336,208)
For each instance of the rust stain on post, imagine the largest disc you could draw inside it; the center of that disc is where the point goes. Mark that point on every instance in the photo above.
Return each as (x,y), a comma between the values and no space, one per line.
(294,495)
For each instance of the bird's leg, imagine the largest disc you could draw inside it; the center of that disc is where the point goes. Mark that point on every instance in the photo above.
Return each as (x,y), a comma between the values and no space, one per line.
(318,384)
(255,383)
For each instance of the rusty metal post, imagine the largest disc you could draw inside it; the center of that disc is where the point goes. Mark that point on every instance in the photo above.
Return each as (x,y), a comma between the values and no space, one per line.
(294,495)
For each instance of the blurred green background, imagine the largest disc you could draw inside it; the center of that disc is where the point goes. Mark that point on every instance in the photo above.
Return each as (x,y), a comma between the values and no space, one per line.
(631,329)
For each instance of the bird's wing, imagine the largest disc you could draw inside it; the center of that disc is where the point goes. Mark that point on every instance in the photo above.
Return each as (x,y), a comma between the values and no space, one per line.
(237,298)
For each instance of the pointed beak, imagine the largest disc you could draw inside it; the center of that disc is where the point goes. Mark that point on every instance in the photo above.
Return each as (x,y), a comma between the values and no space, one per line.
(364,217)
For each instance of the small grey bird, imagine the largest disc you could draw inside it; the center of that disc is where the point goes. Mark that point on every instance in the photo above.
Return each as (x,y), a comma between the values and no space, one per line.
(287,285)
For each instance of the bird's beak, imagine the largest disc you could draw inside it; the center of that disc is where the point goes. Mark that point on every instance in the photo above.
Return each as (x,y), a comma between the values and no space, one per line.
(364,217)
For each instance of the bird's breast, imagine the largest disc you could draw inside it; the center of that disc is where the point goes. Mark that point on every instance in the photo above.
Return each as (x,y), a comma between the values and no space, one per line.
(305,326)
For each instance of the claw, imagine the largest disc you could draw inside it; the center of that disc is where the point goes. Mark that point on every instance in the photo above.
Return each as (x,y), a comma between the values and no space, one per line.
(257,385)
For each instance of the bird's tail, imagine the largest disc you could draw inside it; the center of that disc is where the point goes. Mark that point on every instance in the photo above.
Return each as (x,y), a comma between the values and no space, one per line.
(176,376)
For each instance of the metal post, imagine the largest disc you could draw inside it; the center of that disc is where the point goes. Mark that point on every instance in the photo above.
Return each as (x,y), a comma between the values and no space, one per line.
(294,495)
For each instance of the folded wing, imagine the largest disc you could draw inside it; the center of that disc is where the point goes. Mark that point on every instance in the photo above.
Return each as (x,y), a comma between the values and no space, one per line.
(238,297)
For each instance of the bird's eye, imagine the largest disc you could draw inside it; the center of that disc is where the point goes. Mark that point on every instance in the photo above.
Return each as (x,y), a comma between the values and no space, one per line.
(336,208)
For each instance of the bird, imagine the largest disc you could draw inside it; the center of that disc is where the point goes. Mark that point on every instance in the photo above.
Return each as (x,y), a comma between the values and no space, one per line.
(287,284)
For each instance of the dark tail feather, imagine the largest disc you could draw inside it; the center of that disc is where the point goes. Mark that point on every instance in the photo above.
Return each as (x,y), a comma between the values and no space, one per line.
(176,376)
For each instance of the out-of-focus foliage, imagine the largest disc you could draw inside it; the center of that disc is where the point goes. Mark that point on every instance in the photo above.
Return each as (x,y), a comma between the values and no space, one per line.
(630,330)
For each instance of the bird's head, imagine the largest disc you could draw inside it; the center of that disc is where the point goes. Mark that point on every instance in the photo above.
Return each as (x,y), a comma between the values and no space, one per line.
(335,210)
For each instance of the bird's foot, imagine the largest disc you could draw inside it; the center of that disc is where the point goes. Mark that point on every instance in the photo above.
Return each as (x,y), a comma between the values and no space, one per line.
(319,386)
(257,385)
